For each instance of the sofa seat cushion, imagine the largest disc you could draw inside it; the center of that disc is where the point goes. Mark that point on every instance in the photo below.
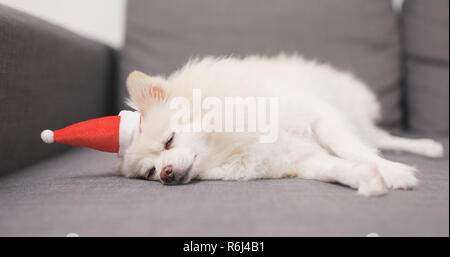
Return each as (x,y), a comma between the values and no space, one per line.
(79,192)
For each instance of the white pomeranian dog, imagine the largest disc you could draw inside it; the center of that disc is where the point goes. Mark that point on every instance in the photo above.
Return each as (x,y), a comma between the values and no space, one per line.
(326,127)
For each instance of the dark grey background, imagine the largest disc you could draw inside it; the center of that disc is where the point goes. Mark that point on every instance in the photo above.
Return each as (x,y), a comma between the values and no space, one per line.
(49,78)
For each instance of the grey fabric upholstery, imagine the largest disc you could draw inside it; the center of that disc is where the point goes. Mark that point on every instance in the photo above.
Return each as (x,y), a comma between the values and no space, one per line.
(49,78)
(426,43)
(78,192)
(356,35)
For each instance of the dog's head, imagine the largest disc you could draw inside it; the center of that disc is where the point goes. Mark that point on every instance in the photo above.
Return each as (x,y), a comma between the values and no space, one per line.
(159,152)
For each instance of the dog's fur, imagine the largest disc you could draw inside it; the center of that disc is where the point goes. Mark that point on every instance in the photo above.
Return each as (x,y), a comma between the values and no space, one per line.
(327,127)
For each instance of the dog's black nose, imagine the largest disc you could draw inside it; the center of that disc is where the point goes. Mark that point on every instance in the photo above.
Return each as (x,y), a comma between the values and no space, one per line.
(167,175)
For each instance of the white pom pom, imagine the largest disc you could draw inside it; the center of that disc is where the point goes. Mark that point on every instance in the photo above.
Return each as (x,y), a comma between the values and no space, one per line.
(47,136)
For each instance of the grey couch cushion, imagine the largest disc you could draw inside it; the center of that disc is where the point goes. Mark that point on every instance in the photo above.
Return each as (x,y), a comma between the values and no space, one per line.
(426,44)
(356,35)
(49,78)
(78,192)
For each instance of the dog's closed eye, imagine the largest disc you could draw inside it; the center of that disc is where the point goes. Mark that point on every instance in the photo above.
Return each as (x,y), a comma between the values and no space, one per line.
(169,141)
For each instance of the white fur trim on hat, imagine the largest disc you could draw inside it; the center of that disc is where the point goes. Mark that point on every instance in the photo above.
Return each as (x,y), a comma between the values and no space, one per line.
(47,136)
(128,129)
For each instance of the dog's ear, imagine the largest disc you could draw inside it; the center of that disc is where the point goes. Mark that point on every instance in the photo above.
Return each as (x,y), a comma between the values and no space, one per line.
(144,90)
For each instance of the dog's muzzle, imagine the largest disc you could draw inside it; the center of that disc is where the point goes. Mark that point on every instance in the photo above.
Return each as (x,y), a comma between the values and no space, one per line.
(170,176)
(167,176)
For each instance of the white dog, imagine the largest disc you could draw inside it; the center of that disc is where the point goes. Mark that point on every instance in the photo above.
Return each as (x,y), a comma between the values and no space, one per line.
(326,127)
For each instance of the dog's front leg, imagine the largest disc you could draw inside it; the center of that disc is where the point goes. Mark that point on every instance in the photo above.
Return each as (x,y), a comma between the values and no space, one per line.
(324,167)
(339,137)
(235,170)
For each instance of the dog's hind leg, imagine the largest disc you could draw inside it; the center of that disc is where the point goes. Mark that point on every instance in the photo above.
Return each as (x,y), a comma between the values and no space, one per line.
(423,146)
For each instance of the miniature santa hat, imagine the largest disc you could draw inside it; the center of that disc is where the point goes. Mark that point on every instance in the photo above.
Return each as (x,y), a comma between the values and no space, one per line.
(112,134)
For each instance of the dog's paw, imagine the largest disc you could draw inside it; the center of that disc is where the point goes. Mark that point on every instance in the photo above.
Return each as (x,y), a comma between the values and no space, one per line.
(431,148)
(371,182)
(398,176)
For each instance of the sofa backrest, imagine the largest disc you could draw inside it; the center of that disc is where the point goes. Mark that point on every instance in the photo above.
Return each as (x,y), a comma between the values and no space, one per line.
(356,35)
(425,26)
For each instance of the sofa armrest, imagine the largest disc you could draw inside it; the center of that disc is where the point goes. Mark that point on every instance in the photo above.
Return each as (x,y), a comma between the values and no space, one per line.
(49,78)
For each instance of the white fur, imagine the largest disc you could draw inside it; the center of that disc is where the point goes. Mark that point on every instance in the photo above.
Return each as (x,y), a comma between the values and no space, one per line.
(327,127)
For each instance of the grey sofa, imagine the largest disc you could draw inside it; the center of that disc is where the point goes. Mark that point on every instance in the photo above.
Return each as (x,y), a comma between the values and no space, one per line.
(50,78)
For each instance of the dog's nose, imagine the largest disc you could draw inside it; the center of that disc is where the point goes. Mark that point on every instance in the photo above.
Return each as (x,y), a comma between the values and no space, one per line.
(167,174)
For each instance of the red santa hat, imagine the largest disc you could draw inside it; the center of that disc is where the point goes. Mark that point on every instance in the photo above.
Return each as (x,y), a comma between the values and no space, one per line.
(112,134)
